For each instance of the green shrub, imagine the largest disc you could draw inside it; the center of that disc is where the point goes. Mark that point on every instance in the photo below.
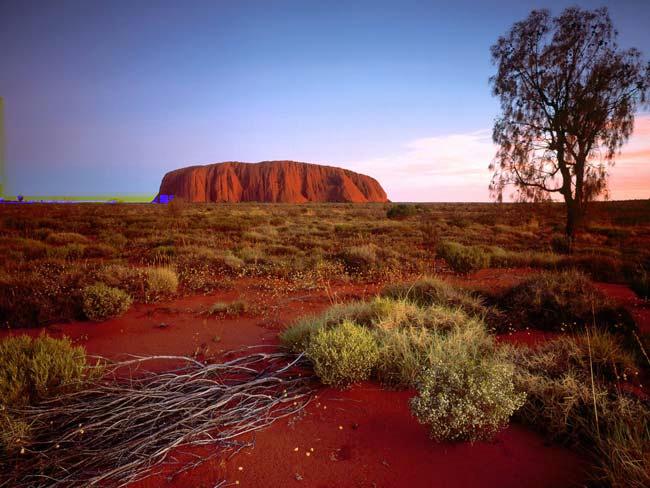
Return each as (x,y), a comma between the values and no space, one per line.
(34,369)
(160,282)
(101,302)
(466,398)
(343,355)
(563,300)
(401,211)
(298,336)
(463,259)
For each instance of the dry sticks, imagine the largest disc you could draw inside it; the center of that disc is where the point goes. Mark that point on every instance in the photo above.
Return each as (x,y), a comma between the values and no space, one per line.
(115,430)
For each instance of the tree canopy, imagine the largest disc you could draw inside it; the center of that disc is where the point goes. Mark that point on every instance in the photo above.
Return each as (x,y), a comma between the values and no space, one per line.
(568,97)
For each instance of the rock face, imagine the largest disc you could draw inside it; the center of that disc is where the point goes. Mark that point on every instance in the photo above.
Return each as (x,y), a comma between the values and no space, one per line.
(270,181)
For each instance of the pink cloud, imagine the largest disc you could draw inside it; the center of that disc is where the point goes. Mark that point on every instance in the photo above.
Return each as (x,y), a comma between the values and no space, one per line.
(454,167)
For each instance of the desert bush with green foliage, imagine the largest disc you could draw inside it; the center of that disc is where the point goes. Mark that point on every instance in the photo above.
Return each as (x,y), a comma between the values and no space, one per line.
(466,388)
(343,355)
(102,302)
(466,397)
(33,369)
(379,313)
(463,259)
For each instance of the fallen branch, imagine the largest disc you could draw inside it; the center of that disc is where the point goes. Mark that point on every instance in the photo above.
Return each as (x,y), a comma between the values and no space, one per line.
(116,429)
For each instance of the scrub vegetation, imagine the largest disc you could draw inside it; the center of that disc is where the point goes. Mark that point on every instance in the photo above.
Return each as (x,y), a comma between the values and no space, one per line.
(427,330)
(50,253)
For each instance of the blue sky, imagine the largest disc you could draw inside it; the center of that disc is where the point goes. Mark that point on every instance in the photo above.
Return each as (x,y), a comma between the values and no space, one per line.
(105,97)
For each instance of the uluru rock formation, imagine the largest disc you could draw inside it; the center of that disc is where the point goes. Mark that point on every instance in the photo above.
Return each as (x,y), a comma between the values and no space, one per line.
(270,181)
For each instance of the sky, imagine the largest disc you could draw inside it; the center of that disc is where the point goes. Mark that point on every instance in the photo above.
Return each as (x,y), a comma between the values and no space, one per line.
(106,97)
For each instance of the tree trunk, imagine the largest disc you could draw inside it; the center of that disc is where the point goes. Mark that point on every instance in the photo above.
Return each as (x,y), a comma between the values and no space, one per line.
(573,215)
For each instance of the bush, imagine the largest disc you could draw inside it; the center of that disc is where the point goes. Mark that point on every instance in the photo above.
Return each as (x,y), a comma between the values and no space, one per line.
(48,291)
(360,258)
(563,300)
(34,369)
(343,355)
(563,402)
(405,351)
(599,267)
(401,211)
(429,291)
(466,398)
(101,302)
(380,313)
(160,282)
(463,259)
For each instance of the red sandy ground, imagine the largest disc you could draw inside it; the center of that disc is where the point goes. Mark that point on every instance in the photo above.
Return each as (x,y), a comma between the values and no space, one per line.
(362,437)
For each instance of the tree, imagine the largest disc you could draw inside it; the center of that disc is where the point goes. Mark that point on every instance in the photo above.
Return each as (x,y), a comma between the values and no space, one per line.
(568,98)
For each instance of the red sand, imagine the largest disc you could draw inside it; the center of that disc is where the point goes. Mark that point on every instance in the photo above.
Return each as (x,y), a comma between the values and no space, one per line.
(639,308)
(379,445)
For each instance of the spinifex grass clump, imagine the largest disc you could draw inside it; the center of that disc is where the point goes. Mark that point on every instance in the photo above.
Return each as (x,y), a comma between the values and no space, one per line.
(562,300)
(463,259)
(575,395)
(32,370)
(434,291)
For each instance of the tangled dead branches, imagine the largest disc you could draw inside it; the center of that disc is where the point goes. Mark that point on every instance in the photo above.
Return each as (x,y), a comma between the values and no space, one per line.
(115,430)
